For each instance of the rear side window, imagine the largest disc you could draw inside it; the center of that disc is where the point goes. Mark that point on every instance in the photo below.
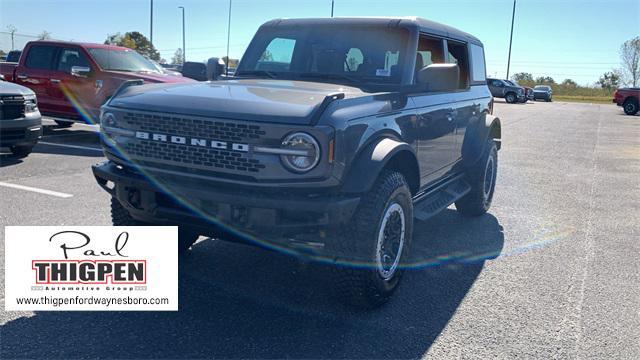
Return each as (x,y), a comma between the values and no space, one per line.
(478,70)
(70,58)
(40,57)
(458,55)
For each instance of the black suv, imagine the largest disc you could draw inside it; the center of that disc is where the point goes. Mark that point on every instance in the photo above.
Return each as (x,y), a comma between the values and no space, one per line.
(325,146)
(507,90)
(20,120)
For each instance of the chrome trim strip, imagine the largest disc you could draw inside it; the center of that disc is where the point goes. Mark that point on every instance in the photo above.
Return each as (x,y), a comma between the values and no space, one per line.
(278,151)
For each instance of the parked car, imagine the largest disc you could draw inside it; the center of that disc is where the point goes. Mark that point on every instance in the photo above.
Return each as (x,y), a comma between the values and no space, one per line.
(528,93)
(20,121)
(195,70)
(628,98)
(164,70)
(506,90)
(72,80)
(543,92)
(306,152)
(525,98)
(13,56)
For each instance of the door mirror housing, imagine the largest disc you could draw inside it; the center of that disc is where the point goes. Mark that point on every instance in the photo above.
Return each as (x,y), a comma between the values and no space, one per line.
(80,71)
(215,68)
(439,77)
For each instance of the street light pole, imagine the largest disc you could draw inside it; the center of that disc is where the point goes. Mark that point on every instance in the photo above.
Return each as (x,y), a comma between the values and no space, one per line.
(228,40)
(184,48)
(151,23)
(332,5)
(513,17)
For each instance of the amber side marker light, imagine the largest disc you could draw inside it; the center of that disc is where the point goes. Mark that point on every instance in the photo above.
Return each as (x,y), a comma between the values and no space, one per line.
(331,151)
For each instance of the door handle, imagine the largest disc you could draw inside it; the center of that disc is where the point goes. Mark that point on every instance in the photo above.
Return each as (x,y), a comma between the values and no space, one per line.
(22,77)
(55,81)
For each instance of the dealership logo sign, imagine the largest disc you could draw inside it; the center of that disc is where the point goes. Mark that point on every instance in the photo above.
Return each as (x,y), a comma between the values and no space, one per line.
(91,268)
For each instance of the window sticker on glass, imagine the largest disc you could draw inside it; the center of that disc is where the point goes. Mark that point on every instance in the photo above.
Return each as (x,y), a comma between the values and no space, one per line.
(383,72)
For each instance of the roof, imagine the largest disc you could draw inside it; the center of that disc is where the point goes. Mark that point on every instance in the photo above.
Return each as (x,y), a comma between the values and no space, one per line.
(420,24)
(82,44)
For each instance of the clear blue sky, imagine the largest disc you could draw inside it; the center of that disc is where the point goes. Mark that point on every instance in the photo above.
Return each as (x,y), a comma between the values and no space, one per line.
(576,39)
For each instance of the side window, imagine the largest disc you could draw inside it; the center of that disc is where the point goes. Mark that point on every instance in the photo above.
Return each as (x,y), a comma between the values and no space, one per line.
(40,57)
(458,55)
(69,58)
(478,68)
(354,60)
(430,51)
(277,56)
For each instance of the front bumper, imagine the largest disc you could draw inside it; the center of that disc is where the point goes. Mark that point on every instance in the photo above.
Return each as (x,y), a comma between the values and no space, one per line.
(22,131)
(258,212)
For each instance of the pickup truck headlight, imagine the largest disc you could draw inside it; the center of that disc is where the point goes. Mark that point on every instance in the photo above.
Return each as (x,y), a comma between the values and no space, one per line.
(302,152)
(30,104)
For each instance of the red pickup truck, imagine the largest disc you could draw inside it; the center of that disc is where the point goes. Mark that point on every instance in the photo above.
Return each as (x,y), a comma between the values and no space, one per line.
(628,98)
(72,80)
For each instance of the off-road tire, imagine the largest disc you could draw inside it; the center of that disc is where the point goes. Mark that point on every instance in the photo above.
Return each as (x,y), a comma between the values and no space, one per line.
(511,98)
(121,217)
(478,200)
(630,106)
(21,151)
(358,280)
(64,124)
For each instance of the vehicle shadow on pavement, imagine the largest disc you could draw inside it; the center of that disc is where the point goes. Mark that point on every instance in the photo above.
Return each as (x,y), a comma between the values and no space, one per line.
(8,160)
(238,301)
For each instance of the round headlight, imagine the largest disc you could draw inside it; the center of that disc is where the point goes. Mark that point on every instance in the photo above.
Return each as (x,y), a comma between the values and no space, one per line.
(302,152)
(108,119)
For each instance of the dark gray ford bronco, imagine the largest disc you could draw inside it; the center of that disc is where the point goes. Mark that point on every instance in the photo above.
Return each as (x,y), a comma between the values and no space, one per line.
(331,138)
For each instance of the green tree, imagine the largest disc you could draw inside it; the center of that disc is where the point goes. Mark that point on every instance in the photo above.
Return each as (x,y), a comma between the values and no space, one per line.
(569,83)
(546,80)
(136,41)
(522,77)
(177,57)
(630,58)
(609,80)
(44,35)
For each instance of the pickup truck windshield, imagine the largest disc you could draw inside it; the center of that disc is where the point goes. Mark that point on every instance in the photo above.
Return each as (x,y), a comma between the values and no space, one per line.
(329,53)
(119,60)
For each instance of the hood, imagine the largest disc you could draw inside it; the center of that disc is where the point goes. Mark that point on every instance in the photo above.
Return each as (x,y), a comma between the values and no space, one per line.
(280,101)
(7,88)
(152,77)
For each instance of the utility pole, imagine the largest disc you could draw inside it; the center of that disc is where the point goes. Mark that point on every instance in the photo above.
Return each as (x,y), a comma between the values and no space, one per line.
(151,24)
(513,17)
(228,40)
(184,48)
(332,6)
(12,30)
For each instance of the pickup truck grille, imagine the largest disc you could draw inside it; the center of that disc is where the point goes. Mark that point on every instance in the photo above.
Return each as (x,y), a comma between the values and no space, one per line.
(11,107)
(203,158)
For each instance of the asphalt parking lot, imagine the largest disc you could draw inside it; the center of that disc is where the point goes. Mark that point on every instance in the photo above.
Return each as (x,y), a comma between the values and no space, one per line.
(552,271)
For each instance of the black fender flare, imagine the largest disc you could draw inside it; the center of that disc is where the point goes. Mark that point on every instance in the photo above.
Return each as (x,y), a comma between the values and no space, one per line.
(375,157)
(476,138)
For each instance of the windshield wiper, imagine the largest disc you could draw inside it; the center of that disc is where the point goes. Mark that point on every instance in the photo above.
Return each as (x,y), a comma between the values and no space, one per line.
(330,76)
(268,74)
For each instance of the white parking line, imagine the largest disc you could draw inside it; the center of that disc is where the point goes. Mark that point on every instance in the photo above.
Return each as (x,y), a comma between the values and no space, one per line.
(36,190)
(71,146)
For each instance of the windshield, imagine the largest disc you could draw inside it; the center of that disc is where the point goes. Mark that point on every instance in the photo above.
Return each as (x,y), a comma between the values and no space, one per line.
(545,88)
(330,53)
(121,60)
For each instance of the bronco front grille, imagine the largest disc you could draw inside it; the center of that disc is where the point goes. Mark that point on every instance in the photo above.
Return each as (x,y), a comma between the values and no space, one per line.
(181,126)
(219,159)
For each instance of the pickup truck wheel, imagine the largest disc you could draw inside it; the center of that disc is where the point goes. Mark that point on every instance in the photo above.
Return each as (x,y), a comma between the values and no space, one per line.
(381,231)
(64,124)
(482,179)
(21,151)
(630,106)
(510,98)
(121,217)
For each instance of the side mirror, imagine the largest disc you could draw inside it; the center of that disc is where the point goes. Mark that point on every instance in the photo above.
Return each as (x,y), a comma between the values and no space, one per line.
(439,77)
(215,68)
(80,71)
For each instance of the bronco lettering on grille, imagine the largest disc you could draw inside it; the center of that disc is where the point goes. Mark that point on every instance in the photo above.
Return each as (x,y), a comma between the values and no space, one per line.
(183,140)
